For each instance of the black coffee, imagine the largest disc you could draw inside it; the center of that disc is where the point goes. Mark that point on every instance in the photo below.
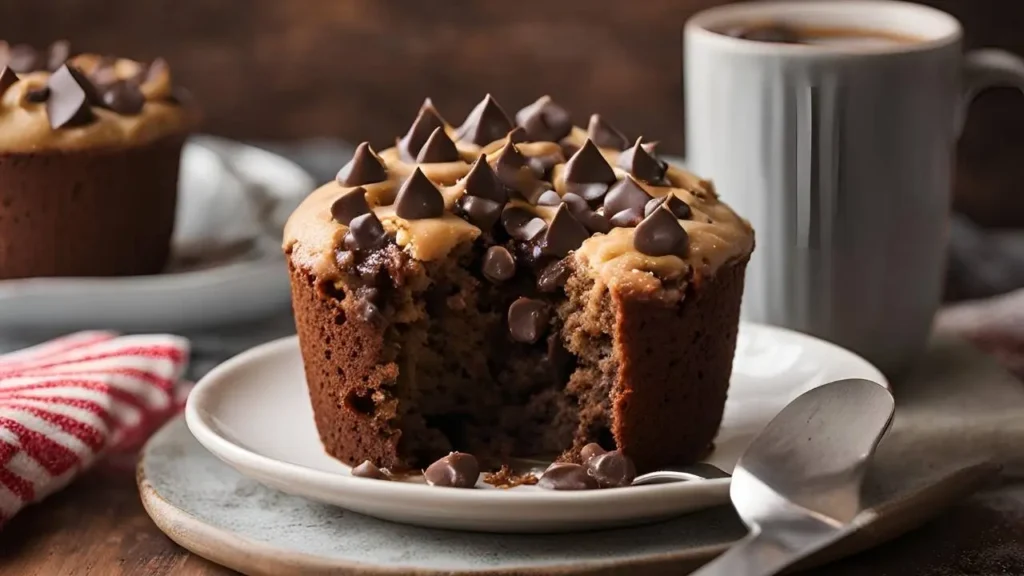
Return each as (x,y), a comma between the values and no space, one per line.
(818,36)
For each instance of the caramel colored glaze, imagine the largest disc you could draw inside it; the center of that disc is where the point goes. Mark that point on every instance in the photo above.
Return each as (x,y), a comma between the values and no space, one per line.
(24,126)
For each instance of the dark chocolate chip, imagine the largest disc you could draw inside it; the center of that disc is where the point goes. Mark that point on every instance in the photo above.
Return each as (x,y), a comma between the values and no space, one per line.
(158,67)
(588,165)
(123,97)
(565,233)
(481,212)
(542,164)
(549,198)
(589,451)
(508,164)
(545,120)
(498,265)
(7,79)
(604,134)
(418,198)
(594,222)
(22,58)
(367,311)
(575,202)
(438,148)
(456,470)
(611,469)
(365,167)
(528,319)
(483,183)
(58,54)
(679,209)
(628,218)
(517,135)
(651,146)
(427,120)
(626,194)
(368,470)
(365,233)
(591,192)
(486,123)
(37,95)
(564,476)
(642,165)
(68,104)
(554,276)
(105,72)
(661,235)
(350,205)
(521,224)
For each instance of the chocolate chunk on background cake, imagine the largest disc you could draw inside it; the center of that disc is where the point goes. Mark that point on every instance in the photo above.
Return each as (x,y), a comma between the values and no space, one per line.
(511,314)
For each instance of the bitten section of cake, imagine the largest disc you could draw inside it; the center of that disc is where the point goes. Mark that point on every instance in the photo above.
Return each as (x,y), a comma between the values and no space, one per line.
(516,288)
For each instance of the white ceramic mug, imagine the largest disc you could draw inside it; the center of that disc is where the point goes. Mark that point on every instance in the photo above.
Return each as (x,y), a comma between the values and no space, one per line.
(842,160)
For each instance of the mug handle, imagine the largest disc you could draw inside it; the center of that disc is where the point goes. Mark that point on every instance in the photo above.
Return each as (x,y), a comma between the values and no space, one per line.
(987,68)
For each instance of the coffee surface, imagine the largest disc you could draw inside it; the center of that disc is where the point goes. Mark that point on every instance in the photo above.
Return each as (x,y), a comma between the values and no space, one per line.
(819,35)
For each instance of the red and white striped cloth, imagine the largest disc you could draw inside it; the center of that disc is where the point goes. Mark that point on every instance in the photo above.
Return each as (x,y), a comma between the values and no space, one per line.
(69,401)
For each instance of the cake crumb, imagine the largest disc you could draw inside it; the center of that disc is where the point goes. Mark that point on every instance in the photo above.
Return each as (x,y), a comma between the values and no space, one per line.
(506,478)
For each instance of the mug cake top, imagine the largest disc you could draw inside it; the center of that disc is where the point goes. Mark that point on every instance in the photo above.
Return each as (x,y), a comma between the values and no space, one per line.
(52,101)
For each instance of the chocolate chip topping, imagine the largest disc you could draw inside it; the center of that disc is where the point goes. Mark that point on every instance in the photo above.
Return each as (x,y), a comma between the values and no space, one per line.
(438,148)
(38,95)
(486,123)
(575,202)
(510,161)
(590,450)
(554,276)
(528,319)
(628,218)
(481,212)
(58,54)
(675,205)
(521,224)
(661,235)
(427,120)
(69,102)
(22,58)
(365,167)
(123,97)
(365,233)
(549,198)
(368,470)
(544,120)
(626,194)
(517,135)
(565,233)
(350,205)
(498,265)
(482,182)
(638,162)
(579,207)
(604,134)
(611,469)
(456,470)
(567,477)
(7,79)
(419,198)
(587,166)
(105,72)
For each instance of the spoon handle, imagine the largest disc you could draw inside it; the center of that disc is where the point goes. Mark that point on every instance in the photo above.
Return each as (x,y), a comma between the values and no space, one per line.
(768,552)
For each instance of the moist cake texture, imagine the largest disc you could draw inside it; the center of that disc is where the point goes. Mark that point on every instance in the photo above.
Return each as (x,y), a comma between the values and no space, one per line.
(516,286)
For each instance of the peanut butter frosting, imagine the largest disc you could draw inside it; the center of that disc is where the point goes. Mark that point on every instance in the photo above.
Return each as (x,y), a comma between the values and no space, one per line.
(553,185)
(61,103)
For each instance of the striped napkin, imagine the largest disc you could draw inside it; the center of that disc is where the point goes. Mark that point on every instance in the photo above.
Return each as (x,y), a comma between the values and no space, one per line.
(67,402)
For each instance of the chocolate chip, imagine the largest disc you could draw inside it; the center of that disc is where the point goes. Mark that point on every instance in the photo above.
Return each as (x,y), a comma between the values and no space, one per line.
(105,72)
(365,167)
(508,165)
(438,148)
(58,54)
(368,470)
(481,212)
(37,95)
(542,164)
(68,104)
(486,123)
(591,192)
(661,235)
(588,166)
(157,68)
(594,222)
(427,120)
(575,202)
(498,264)
(565,233)
(521,224)
(365,233)
(123,97)
(517,135)
(350,205)
(565,476)
(642,165)
(369,312)
(544,120)
(611,469)
(554,276)
(628,218)
(456,470)
(679,209)
(22,58)
(528,319)
(418,198)
(549,198)
(626,194)
(7,79)
(483,183)
(604,134)
(650,146)
(590,450)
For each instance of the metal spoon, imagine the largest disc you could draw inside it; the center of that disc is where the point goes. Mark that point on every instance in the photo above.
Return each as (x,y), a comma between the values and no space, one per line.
(698,471)
(797,486)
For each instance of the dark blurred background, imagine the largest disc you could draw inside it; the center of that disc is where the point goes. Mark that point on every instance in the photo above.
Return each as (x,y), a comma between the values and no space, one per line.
(358,69)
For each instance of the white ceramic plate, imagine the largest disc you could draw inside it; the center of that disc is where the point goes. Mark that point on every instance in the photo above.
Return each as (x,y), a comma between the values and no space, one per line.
(253,413)
(233,198)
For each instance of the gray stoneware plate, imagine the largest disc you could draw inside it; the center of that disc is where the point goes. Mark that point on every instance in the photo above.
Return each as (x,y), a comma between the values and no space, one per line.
(253,413)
